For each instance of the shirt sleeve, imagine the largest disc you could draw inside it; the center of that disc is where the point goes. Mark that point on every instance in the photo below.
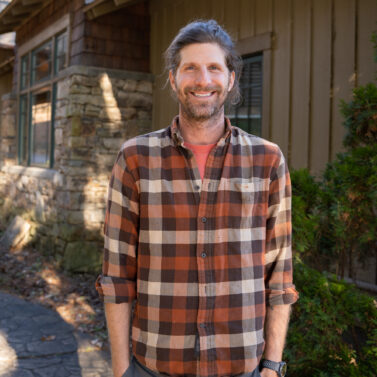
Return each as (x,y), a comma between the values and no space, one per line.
(279,285)
(117,283)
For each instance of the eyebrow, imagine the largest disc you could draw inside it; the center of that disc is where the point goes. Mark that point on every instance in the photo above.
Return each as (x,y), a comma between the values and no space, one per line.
(195,63)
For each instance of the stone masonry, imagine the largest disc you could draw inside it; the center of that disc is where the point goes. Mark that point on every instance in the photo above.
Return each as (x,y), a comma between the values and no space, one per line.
(96,111)
(8,130)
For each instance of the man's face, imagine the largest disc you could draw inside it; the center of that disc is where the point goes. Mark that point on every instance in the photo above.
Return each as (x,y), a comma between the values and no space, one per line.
(202,81)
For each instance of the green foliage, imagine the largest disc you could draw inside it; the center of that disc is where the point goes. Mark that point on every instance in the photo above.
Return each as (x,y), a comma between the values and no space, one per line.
(333,330)
(305,217)
(361,117)
(349,200)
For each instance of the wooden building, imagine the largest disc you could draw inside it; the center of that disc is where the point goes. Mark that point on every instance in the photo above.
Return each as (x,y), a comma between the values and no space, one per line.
(312,52)
(88,74)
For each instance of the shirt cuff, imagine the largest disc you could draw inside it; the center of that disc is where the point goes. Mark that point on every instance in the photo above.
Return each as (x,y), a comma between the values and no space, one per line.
(281,297)
(115,290)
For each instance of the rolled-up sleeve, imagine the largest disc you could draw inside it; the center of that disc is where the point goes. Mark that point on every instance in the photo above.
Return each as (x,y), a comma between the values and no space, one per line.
(117,283)
(279,285)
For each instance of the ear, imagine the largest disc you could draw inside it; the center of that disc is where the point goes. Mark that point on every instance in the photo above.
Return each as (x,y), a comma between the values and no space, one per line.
(232,77)
(172,80)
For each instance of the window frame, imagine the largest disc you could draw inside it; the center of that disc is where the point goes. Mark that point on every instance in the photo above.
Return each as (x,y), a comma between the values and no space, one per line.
(50,34)
(236,114)
(261,44)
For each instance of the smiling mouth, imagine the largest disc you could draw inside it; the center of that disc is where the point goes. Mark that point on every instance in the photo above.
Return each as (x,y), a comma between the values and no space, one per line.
(202,95)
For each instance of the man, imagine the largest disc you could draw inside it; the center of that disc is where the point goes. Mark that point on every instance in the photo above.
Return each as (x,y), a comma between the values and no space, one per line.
(198,232)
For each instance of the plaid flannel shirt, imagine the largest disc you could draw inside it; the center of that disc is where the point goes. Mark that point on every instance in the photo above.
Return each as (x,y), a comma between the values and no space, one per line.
(201,258)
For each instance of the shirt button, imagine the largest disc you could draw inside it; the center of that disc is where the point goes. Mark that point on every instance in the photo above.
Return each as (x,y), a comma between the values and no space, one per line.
(204,219)
(204,255)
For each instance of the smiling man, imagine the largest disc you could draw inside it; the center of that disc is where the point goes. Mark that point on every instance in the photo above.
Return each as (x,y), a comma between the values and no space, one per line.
(198,232)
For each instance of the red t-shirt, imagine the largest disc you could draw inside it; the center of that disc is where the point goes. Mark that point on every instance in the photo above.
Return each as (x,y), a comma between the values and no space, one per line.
(201,153)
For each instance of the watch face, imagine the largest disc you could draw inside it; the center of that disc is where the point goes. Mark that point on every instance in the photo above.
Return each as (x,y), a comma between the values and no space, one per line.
(283,369)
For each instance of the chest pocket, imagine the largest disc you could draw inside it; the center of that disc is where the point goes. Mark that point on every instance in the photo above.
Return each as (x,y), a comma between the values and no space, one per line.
(247,192)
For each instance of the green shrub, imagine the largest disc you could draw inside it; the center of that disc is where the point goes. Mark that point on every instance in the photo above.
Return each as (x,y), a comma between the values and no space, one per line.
(349,203)
(305,217)
(333,330)
(360,117)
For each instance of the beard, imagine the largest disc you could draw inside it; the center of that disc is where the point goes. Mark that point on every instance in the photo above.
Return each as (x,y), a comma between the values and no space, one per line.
(204,109)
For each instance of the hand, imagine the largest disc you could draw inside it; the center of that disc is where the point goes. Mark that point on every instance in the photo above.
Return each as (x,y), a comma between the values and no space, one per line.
(268,373)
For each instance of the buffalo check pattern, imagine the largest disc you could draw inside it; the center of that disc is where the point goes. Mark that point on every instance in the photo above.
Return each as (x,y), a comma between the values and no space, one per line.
(201,258)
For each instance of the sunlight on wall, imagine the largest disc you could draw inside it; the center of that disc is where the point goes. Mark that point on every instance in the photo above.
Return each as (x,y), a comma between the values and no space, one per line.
(91,213)
(111,106)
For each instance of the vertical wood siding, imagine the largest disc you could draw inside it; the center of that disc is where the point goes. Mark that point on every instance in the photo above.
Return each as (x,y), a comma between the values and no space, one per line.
(321,50)
(320,91)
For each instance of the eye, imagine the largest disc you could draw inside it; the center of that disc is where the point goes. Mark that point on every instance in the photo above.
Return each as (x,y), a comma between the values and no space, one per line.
(213,67)
(189,68)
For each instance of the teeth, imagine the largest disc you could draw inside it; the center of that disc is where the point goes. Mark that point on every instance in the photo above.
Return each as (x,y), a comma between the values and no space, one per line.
(202,95)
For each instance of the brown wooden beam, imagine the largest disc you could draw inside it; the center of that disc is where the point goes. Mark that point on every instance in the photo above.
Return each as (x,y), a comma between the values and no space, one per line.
(123,2)
(101,9)
(32,2)
(9,19)
(92,5)
(17,10)
(6,66)
(6,28)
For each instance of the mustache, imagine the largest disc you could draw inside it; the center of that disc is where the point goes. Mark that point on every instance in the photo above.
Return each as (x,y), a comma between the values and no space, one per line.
(201,89)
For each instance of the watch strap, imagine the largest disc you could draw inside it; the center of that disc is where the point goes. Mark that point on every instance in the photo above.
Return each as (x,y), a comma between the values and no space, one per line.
(275,366)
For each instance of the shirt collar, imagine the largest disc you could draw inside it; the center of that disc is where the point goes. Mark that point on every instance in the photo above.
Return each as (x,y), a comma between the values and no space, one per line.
(178,139)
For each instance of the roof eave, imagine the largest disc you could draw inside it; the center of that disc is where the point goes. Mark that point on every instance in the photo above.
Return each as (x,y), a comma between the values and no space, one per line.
(17,12)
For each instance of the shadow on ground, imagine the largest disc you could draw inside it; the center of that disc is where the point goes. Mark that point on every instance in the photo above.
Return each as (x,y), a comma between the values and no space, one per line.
(36,341)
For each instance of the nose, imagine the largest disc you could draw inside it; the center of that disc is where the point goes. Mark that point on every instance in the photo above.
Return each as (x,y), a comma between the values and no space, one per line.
(203,77)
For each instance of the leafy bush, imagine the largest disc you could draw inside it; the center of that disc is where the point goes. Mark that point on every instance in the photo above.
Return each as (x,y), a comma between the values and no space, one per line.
(333,330)
(349,201)
(305,217)
(361,117)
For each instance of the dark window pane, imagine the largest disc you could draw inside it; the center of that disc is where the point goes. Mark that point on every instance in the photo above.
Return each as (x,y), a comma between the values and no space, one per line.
(61,47)
(24,82)
(41,63)
(40,128)
(248,113)
(23,129)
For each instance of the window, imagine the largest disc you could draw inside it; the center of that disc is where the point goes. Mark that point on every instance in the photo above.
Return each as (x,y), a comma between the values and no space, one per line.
(39,68)
(41,63)
(248,113)
(40,128)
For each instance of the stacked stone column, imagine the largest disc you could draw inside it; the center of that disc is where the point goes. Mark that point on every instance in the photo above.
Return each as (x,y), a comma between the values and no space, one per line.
(95,113)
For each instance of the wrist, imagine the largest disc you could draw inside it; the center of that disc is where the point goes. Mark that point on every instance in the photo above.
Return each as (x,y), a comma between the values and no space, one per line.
(273,368)
(268,373)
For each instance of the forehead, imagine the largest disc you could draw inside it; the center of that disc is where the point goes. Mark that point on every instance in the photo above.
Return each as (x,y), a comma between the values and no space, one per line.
(202,53)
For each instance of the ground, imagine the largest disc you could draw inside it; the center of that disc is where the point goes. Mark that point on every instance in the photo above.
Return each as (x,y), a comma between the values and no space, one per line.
(28,274)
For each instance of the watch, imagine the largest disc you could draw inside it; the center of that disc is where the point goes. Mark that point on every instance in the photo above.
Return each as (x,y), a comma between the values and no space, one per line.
(279,367)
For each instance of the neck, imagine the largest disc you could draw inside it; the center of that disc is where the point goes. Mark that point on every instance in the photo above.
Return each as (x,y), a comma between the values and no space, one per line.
(202,132)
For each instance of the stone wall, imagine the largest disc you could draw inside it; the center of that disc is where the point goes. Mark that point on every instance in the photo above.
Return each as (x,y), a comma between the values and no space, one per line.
(96,112)
(8,152)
